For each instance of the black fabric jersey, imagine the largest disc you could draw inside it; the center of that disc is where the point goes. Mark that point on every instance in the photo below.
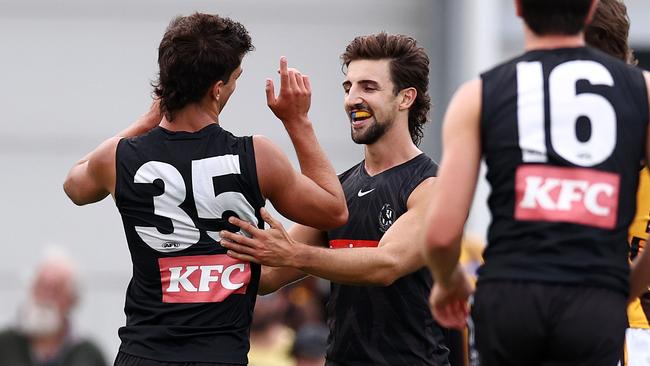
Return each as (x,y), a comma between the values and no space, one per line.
(372,325)
(187,300)
(563,133)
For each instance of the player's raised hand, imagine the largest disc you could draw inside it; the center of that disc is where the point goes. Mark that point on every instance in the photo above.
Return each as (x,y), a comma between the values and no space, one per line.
(292,103)
(449,304)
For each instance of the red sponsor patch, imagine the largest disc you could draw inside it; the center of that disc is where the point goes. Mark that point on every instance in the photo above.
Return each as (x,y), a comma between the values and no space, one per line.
(347,243)
(575,195)
(202,278)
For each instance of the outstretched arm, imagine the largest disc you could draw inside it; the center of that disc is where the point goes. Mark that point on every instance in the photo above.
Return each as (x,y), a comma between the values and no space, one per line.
(92,178)
(274,278)
(397,254)
(314,195)
(451,203)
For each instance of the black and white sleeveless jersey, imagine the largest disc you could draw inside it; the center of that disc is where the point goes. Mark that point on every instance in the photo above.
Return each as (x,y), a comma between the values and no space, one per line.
(187,300)
(563,133)
(372,325)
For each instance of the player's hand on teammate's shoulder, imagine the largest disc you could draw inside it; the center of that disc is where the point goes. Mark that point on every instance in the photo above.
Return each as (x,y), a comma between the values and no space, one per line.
(449,302)
(152,118)
(148,121)
(271,247)
(294,99)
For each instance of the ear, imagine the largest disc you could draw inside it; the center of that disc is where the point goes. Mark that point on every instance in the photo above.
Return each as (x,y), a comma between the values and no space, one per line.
(215,91)
(592,11)
(407,96)
(518,8)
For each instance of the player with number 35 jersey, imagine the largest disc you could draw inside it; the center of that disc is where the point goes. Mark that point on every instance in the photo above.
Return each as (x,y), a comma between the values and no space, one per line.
(177,181)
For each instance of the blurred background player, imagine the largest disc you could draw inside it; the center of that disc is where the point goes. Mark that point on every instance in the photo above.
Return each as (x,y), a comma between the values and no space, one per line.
(609,31)
(44,334)
(310,345)
(377,311)
(563,128)
(176,185)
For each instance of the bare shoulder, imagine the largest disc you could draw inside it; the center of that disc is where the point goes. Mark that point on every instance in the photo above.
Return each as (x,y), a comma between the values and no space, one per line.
(273,167)
(470,93)
(267,152)
(464,111)
(103,158)
(264,144)
(421,194)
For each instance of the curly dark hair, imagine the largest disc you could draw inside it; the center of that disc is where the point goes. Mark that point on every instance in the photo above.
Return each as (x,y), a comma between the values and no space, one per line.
(564,17)
(409,68)
(197,51)
(609,30)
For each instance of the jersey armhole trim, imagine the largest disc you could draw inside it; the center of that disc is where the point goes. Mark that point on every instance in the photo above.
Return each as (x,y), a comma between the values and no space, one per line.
(259,197)
(118,174)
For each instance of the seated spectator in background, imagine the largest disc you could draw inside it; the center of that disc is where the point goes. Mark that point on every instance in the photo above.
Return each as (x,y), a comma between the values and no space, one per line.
(43,334)
(310,345)
(270,337)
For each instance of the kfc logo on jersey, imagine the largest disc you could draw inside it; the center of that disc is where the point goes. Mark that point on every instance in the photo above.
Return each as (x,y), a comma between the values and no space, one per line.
(574,195)
(202,278)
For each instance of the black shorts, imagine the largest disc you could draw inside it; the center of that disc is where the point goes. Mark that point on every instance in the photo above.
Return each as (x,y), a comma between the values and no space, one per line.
(125,359)
(530,323)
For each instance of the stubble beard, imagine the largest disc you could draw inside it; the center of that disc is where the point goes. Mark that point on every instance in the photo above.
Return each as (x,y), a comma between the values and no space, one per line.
(371,135)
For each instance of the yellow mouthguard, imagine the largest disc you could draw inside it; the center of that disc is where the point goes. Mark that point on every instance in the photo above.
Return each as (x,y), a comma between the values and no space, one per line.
(360,114)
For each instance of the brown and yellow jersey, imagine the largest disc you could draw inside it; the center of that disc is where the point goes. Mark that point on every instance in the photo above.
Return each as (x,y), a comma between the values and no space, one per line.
(639,311)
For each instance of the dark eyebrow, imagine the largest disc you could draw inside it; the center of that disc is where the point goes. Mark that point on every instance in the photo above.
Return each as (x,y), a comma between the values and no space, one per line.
(369,83)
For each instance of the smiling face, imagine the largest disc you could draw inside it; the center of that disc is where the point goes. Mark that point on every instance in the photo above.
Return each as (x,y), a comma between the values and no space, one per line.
(370,102)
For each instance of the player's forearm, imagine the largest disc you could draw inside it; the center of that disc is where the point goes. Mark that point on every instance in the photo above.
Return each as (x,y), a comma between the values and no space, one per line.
(314,164)
(640,274)
(274,278)
(358,266)
(442,259)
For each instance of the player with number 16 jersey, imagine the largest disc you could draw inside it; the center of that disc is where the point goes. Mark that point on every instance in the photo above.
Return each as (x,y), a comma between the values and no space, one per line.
(563,164)
(563,130)
(563,133)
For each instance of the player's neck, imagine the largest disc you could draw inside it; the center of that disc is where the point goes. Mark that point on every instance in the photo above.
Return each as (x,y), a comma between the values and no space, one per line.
(551,41)
(395,147)
(191,118)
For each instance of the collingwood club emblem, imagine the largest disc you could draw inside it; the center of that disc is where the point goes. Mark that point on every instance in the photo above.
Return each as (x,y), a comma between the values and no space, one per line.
(386,217)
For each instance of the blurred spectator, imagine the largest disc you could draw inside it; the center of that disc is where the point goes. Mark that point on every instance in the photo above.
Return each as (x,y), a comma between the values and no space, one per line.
(307,300)
(43,334)
(471,255)
(270,338)
(310,345)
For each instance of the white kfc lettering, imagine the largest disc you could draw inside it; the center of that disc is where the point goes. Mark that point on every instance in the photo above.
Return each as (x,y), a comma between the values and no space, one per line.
(591,198)
(538,194)
(203,278)
(176,278)
(226,282)
(567,194)
(207,277)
